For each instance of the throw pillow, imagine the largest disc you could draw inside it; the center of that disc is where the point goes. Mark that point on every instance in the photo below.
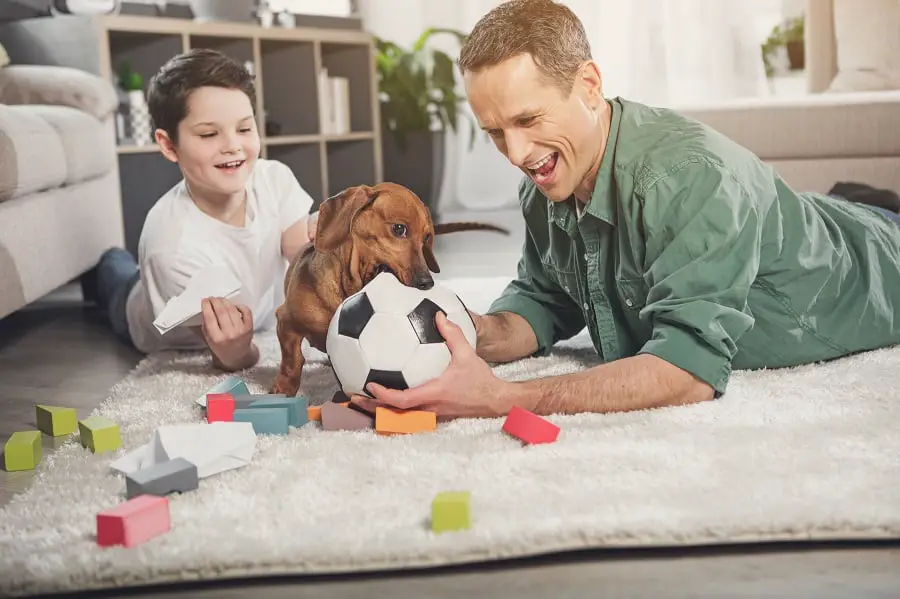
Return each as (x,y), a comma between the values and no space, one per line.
(867,36)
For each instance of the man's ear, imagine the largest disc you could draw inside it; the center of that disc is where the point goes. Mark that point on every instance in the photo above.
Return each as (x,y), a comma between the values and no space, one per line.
(166,145)
(337,213)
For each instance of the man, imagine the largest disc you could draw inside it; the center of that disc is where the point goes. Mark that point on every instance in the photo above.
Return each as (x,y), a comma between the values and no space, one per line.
(682,253)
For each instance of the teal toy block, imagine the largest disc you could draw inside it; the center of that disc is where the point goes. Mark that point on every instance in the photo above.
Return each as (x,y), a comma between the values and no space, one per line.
(23,451)
(265,421)
(298,414)
(230,384)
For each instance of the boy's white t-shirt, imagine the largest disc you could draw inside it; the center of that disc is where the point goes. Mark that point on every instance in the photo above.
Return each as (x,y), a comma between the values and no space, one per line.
(178,240)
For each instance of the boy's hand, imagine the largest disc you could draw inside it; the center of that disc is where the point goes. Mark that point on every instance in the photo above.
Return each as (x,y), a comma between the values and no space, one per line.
(228,331)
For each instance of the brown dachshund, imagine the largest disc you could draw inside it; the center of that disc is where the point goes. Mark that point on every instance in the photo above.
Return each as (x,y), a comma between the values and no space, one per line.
(361,232)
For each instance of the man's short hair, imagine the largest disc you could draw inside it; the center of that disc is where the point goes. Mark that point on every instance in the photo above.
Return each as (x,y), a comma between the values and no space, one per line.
(547,30)
(170,88)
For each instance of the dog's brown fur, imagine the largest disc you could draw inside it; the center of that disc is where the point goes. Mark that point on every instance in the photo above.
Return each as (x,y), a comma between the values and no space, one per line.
(357,232)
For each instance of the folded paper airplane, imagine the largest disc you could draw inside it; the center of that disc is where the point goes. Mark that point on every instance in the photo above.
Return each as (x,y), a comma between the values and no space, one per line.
(214,447)
(184,309)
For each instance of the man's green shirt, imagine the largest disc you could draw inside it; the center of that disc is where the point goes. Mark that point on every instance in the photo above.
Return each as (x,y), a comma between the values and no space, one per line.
(694,250)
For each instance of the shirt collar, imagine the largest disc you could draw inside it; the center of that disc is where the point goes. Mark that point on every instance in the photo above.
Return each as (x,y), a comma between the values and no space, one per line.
(602,202)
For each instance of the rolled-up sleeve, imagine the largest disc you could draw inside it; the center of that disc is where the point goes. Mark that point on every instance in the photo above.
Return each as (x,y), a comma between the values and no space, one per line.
(552,314)
(703,234)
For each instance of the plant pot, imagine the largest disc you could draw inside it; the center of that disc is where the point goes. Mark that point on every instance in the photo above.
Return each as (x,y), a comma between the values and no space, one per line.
(796,55)
(419,166)
(139,118)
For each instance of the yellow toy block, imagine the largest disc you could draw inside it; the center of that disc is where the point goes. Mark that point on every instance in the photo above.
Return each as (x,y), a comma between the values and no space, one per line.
(99,434)
(450,511)
(22,451)
(56,421)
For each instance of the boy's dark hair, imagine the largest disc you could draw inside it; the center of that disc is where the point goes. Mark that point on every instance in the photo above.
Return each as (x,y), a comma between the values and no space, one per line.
(547,30)
(170,88)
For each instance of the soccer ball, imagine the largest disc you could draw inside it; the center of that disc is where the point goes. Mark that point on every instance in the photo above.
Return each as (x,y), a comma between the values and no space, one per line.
(386,333)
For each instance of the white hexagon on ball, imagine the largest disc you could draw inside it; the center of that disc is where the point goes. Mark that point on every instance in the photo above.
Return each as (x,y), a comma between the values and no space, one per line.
(388,342)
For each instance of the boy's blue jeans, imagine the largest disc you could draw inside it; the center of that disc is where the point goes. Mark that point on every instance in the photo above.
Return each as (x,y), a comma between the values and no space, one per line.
(116,274)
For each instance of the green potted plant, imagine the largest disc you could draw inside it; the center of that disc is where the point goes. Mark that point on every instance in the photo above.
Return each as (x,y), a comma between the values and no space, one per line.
(419,103)
(788,35)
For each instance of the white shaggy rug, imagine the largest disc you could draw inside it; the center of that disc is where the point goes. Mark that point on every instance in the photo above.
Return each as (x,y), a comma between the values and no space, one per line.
(807,454)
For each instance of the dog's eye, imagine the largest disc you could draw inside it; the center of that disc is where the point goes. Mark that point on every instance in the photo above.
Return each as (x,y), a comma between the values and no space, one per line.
(398,230)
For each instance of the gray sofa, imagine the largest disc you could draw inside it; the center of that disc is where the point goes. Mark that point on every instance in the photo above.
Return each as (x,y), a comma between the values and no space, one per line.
(60,204)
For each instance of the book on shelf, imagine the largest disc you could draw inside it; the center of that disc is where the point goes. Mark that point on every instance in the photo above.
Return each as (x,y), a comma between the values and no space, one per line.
(334,103)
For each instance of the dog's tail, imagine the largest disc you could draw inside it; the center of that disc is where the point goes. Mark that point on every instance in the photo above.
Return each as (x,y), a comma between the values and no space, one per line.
(442,228)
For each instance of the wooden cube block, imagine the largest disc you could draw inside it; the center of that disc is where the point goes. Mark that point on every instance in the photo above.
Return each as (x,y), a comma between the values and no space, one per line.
(529,427)
(134,522)
(171,476)
(389,421)
(99,434)
(314,413)
(219,407)
(340,417)
(451,511)
(56,421)
(265,421)
(23,451)
(296,406)
(231,384)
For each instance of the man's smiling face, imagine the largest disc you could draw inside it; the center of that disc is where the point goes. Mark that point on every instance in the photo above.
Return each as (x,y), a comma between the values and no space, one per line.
(552,138)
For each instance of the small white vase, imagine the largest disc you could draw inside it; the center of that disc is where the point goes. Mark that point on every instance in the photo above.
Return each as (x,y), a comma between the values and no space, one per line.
(139,118)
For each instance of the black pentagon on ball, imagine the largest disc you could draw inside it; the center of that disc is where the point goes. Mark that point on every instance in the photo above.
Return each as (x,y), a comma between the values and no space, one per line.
(355,314)
(391,379)
(422,320)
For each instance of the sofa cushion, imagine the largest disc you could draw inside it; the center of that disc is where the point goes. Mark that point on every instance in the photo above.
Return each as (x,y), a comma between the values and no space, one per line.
(31,154)
(42,147)
(88,146)
(861,124)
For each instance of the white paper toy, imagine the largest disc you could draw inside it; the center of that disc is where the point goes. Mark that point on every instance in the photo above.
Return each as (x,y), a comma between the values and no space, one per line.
(184,309)
(213,447)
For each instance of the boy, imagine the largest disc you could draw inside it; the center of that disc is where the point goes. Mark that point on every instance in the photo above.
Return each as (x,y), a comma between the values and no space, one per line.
(231,209)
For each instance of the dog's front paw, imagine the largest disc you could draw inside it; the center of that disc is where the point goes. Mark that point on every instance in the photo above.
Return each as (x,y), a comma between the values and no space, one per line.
(284,386)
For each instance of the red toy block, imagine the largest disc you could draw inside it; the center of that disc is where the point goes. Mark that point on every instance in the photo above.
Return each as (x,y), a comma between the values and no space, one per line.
(219,407)
(529,427)
(131,523)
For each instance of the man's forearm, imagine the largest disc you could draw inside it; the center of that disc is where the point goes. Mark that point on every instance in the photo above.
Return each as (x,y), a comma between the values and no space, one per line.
(636,383)
(504,337)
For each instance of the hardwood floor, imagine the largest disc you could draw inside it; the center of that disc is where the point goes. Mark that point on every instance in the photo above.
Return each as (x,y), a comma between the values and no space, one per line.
(59,351)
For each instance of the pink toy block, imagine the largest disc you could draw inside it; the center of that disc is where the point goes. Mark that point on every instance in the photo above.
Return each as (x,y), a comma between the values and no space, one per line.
(134,522)
(219,407)
(529,427)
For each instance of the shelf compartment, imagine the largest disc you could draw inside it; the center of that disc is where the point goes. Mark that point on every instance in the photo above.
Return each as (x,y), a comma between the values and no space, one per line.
(289,90)
(353,61)
(350,163)
(145,52)
(240,49)
(305,160)
(145,178)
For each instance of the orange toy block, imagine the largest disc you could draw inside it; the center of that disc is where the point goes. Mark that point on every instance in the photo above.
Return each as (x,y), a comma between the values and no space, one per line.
(403,422)
(314,413)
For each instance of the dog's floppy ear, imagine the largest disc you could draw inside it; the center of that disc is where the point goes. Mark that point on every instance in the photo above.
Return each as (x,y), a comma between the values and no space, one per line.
(336,215)
(428,251)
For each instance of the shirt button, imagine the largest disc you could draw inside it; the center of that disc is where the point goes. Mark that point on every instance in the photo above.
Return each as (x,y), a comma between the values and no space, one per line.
(585,257)
(566,288)
(585,306)
(628,302)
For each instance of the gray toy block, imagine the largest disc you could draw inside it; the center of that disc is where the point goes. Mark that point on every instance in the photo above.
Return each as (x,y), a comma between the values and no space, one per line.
(337,417)
(178,475)
(265,421)
(298,415)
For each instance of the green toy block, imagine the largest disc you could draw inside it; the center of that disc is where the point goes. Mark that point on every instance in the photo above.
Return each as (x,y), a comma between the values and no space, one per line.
(450,511)
(56,421)
(298,415)
(23,451)
(266,421)
(99,434)
(230,384)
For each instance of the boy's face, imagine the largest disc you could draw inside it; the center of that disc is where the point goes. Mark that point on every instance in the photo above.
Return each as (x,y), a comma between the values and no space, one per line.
(218,142)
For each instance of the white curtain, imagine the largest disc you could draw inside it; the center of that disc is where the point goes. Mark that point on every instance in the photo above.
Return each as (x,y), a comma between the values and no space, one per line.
(671,53)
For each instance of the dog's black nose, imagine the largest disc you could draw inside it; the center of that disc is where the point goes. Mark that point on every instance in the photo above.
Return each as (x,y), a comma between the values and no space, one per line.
(424,283)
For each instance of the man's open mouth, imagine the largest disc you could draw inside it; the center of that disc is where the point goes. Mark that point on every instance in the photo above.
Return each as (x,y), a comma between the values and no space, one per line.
(230,166)
(542,171)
